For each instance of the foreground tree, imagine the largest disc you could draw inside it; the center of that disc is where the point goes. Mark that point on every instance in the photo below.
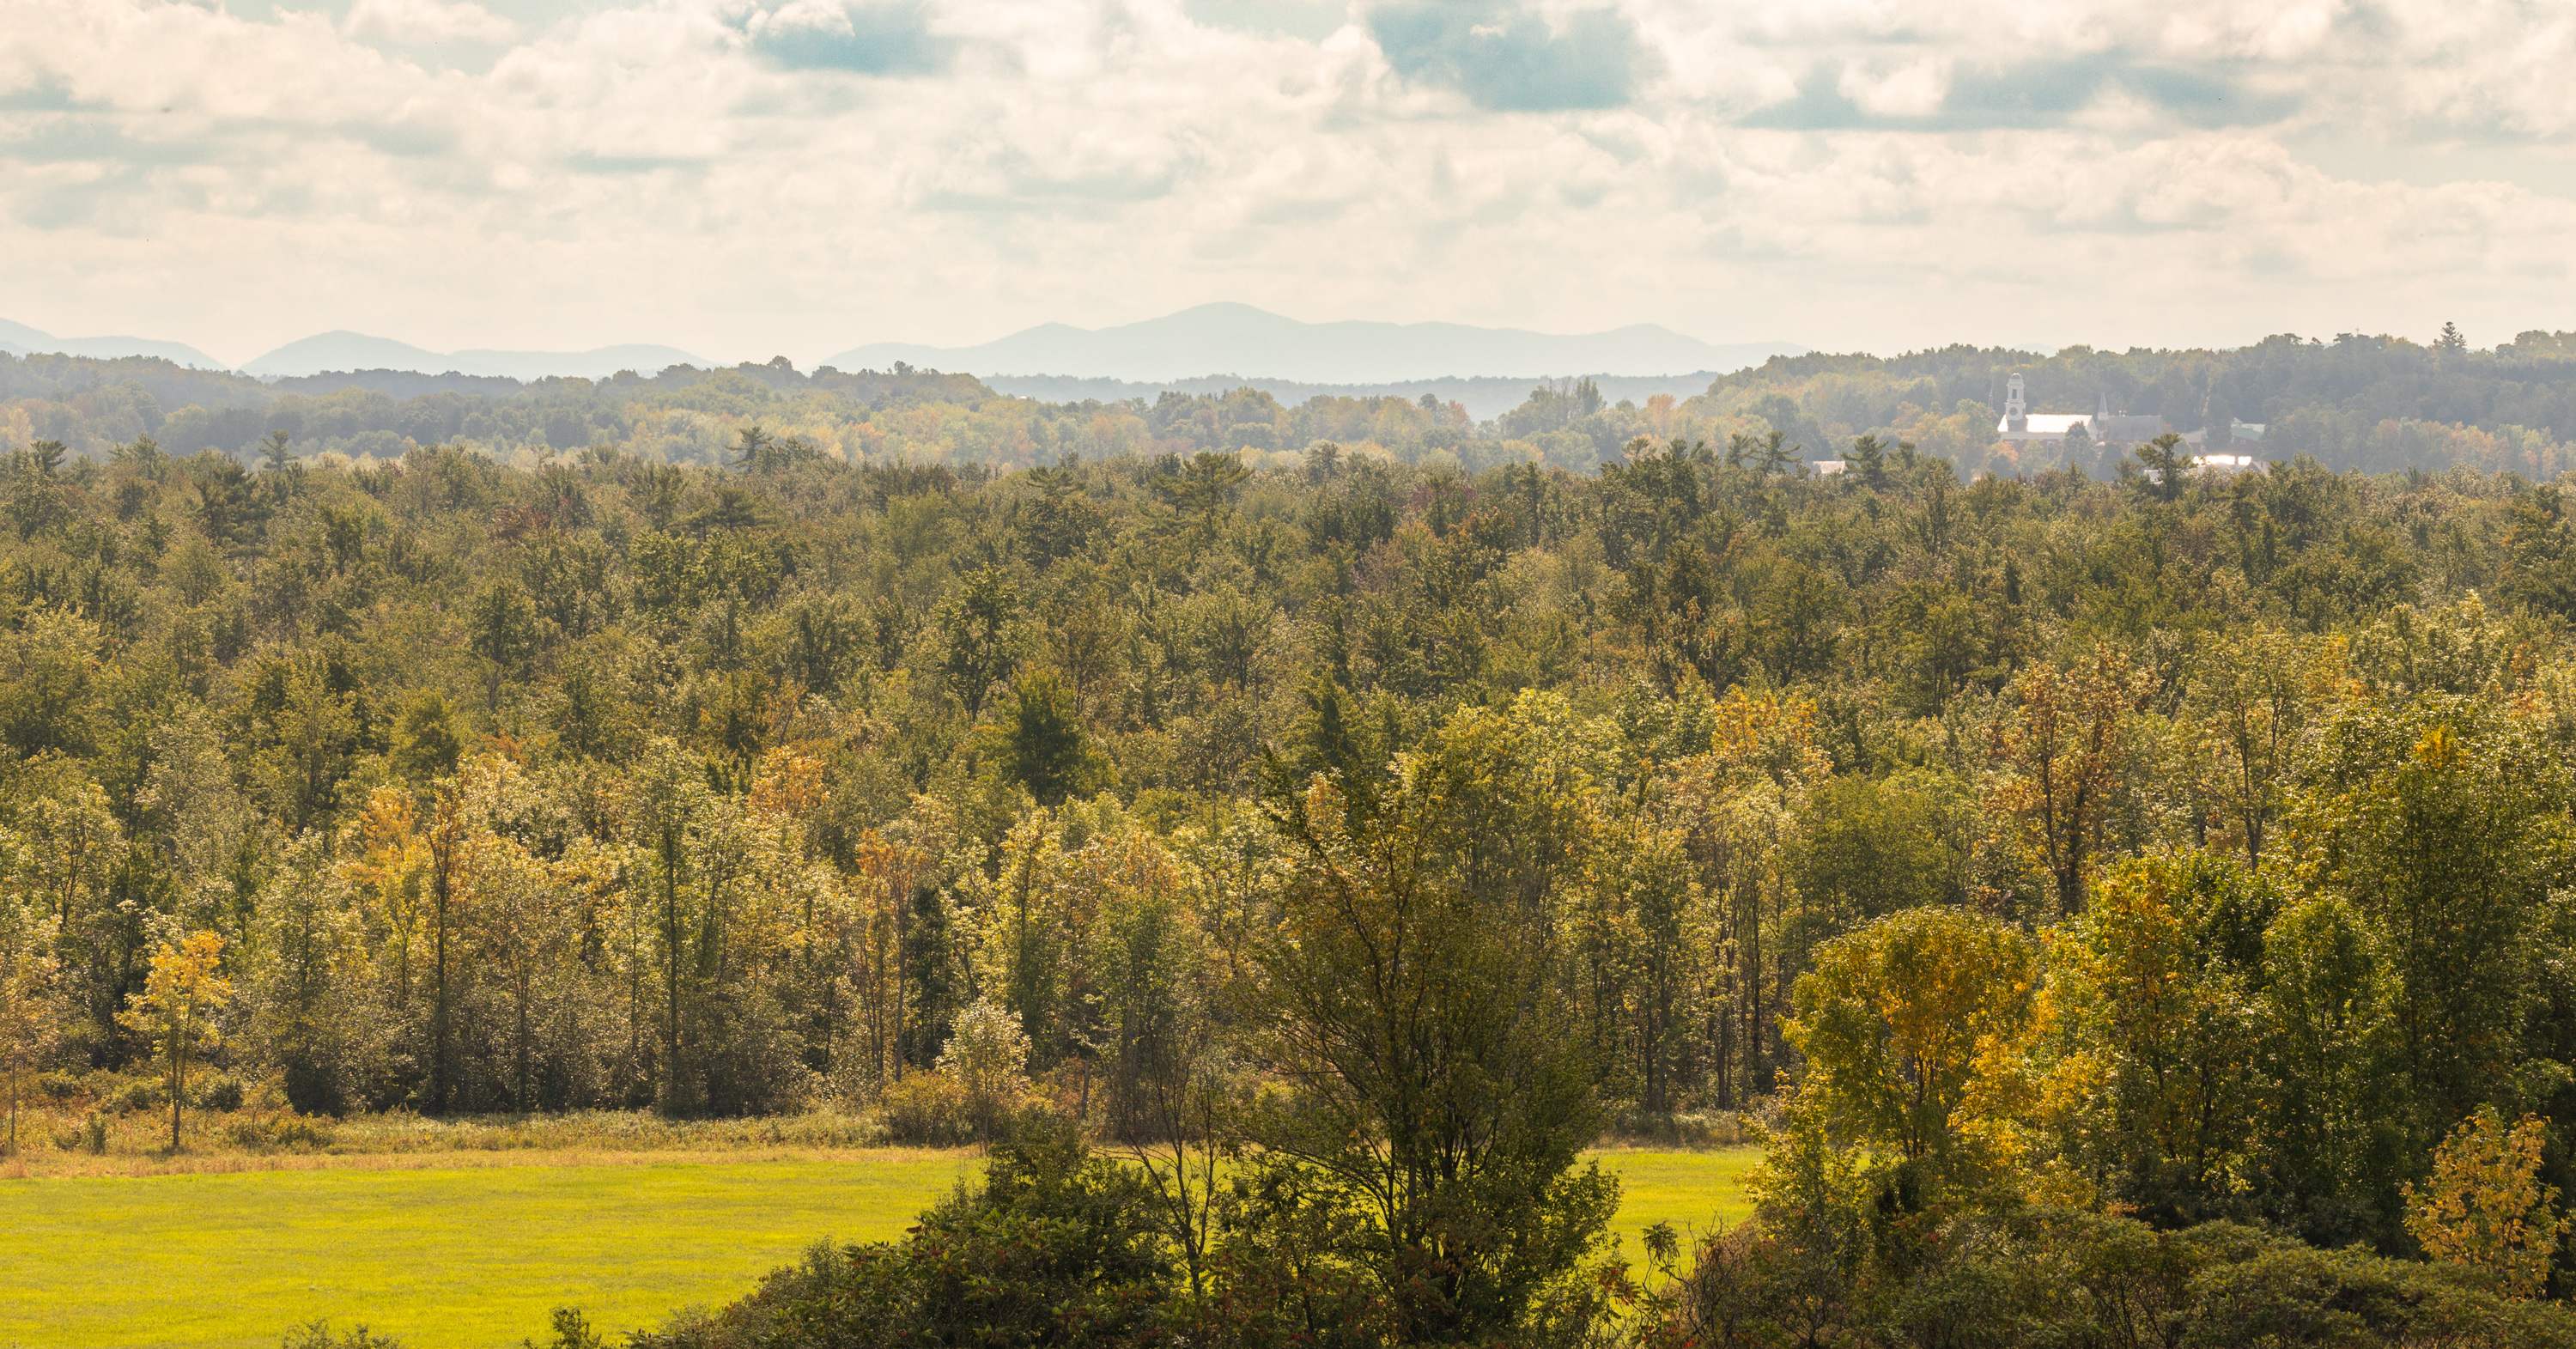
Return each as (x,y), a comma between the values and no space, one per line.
(1908,1024)
(2151,1008)
(1439,1087)
(181,998)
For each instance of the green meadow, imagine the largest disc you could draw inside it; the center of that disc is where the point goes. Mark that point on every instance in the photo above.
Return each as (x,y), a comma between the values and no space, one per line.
(474,1257)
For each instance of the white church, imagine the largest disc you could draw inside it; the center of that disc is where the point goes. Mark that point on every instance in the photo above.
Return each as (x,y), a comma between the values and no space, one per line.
(2020,425)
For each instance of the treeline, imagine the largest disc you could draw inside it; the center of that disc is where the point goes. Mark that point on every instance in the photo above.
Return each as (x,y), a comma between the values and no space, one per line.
(2374,404)
(2190,851)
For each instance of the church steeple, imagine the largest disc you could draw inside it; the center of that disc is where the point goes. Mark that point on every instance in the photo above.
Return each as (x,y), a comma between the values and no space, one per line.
(2016,407)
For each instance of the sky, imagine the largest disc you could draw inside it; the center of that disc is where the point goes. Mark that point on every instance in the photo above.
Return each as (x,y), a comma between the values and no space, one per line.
(747,178)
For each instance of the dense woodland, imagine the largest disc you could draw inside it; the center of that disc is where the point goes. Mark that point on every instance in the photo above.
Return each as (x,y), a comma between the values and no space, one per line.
(2377,404)
(2133,910)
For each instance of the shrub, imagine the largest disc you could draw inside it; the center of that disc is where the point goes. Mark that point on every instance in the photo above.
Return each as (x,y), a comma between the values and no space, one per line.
(1686,1128)
(929,1109)
(2044,1278)
(317,1335)
(572,1331)
(280,1131)
(222,1095)
(1060,1248)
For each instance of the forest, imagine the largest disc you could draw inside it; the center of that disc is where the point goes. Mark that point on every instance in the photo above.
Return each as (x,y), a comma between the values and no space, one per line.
(2130,908)
(2373,403)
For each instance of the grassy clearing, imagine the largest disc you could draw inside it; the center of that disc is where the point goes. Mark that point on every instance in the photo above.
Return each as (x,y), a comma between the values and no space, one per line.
(135,1142)
(469,1252)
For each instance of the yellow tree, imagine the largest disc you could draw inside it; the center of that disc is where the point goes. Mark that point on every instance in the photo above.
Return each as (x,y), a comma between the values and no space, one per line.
(2069,752)
(388,863)
(2485,1208)
(181,997)
(1904,1023)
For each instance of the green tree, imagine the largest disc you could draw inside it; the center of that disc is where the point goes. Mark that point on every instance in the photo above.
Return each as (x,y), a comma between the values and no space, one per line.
(2252,697)
(2151,1004)
(2167,465)
(976,624)
(307,1015)
(426,744)
(1045,747)
(32,1011)
(2334,1131)
(1438,1085)
(2443,819)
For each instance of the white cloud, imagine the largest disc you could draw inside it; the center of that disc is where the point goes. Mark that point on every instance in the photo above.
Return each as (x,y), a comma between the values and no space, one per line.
(428,21)
(1842,172)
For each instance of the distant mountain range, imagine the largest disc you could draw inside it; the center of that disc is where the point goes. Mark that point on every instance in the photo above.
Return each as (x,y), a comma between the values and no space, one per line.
(1192,350)
(344,351)
(1484,396)
(1221,337)
(20,340)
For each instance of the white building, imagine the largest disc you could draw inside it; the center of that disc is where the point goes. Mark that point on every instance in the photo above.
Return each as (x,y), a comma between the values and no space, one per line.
(2020,426)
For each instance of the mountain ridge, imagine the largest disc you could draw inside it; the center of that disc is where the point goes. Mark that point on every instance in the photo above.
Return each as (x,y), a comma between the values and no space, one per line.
(1190,347)
(1483,396)
(19,339)
(341,351)
(1192,343)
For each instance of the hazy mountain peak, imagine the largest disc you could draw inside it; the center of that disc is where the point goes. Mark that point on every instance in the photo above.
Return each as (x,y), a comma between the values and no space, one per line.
(18,337)
(1226,336)
(342,350)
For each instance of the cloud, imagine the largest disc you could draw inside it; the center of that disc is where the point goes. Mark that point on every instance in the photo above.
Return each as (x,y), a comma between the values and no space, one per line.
(1509,58)
(750,176)
(891,37)
(2063,91)
(428,21)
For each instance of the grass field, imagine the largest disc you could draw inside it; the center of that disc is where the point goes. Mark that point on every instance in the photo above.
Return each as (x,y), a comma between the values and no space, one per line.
(457,1256)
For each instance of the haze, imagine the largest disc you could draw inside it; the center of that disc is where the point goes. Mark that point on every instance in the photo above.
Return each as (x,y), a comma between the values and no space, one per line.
(743,178)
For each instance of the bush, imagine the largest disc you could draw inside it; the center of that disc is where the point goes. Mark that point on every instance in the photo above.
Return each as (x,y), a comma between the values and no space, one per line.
(136,1096)
(572,1331)
(1060,1248)
(930,1109)
(89,1136)
(222,1095)
(317,1335)
(280,1131)
(1686,1128)
(2043,1278)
